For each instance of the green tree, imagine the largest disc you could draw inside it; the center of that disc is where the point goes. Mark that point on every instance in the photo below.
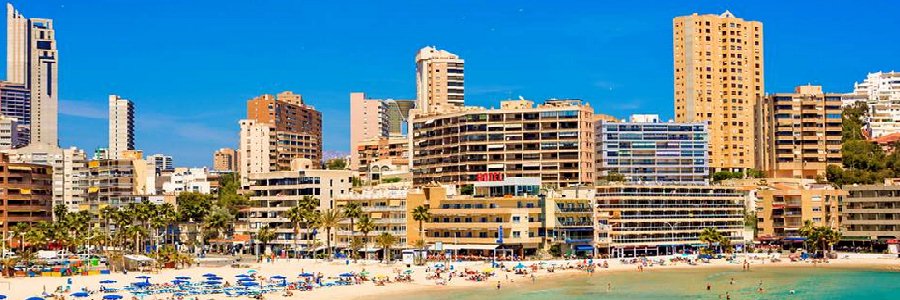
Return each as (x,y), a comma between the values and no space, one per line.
(386,241)
(709,236)
(228,196)
(296,216)
(852,121)
(615,177)
(365,226)
(217,221)
(330,218)
(352,211)
(421,214)
(265,235)
(336,164)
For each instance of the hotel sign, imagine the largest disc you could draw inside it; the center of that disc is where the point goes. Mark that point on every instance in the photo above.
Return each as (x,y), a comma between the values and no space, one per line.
(490,176)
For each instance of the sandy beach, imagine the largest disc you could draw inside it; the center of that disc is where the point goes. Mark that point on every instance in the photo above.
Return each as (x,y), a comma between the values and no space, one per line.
(22,288)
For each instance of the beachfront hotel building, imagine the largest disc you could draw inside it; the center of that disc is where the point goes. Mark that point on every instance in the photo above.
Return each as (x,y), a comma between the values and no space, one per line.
(871,212)
(648,151)
(118,182)
(881,92)
(25,193)
(799,133)
(784,204)
(439,80)
(718,79)
(273,193)
(553,141)
(383,158)
(473,223)
(386,206)
(225,160)
(635,220)
(32,60)
(569,220)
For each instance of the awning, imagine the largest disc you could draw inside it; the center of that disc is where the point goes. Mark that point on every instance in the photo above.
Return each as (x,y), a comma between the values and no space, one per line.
(395,202)
(795,238)
(370,249)
(584,248)
(469,247)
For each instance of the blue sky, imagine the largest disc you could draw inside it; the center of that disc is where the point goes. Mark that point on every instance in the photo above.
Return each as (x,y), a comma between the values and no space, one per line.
(190,66)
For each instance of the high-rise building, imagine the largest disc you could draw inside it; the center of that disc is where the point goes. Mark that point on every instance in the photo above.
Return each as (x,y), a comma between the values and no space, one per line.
(398,115)
(635,220)
(383,158)
(553,141)
(9,138)
(367,121)
(256,149)
(15,102)
(439,80)
(718,77)
(121,126)
(69,168)
(297,126)
(881,91)
(225,159)
(386,206)
(650,152)
(118,182)
(25,193)
(799,134)
(161,162)
(785,204)
(32,60)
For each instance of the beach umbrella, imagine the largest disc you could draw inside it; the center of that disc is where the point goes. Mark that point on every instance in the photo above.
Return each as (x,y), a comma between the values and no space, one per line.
(80,295)
(2,297)
(306,275)
(35,298)
(179,282)
(241,275)
(248,283)
(210,275)
(348,274)
(251,271)
(488,270)
(212,282)
(107,281)
(183,278)
(214,278)
(408,271)
(112,297)
(143,277)
(245,279)
(141,284)
(278,277)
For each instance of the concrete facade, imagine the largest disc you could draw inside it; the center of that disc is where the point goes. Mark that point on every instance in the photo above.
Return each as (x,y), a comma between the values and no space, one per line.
(33,60)
(881,91)
(783,205)
(439,80)
(25,193)
(718,79)
(872,212)
(225,159)
(121,126)
(799,133)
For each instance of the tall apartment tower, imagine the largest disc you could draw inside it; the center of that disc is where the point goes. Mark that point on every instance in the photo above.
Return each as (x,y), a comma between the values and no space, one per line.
(32,60)
(256,149)
(718,77)
(439,80)
(297,127)
(368,120)
(799,133)
(121,126)
(225,159)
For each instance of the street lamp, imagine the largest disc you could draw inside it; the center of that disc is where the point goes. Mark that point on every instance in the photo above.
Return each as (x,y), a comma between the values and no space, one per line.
(672,227)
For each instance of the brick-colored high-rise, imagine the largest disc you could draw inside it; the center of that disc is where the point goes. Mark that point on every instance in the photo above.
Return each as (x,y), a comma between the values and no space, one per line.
(225,159)
(297,126)
(718,78)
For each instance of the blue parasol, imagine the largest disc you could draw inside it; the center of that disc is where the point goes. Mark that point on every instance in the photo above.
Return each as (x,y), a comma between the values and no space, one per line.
(241,275)
(278,277)
(248,283)
(348,274)
(107,281)
(306,275)
(34,298)
(210,275)
(81,295)
(112,297)
(213,282)
(183,278)
(245,279)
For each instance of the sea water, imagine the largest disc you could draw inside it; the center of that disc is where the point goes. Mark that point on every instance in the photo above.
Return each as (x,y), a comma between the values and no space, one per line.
(807,283)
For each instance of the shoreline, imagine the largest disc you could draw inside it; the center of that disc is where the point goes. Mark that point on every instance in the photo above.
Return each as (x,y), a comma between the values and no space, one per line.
(24,287)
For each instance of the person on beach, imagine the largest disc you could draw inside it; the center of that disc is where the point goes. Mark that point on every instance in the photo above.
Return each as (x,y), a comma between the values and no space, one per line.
(608,287)
(732,281)
(708,286)
(498,285)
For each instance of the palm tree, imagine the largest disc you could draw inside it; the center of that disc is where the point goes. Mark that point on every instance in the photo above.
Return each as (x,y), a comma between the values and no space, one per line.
(265,235)
(164,218)
(217,221)
(420,244)
(20,230)
(352,210)
(330,218)
(295,215)
(365,226)
(807,230)
(709,236)
(309,207)
(421,214)
(356,243)
(386,240)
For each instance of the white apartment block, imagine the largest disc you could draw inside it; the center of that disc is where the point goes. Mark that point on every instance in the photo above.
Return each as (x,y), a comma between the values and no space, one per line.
(70,171)
(8,136)
(255,152)
(121,126)
(188,180)
(881,91)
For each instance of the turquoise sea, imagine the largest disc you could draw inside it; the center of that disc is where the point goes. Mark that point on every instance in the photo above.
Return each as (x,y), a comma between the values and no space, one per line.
(807,282)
